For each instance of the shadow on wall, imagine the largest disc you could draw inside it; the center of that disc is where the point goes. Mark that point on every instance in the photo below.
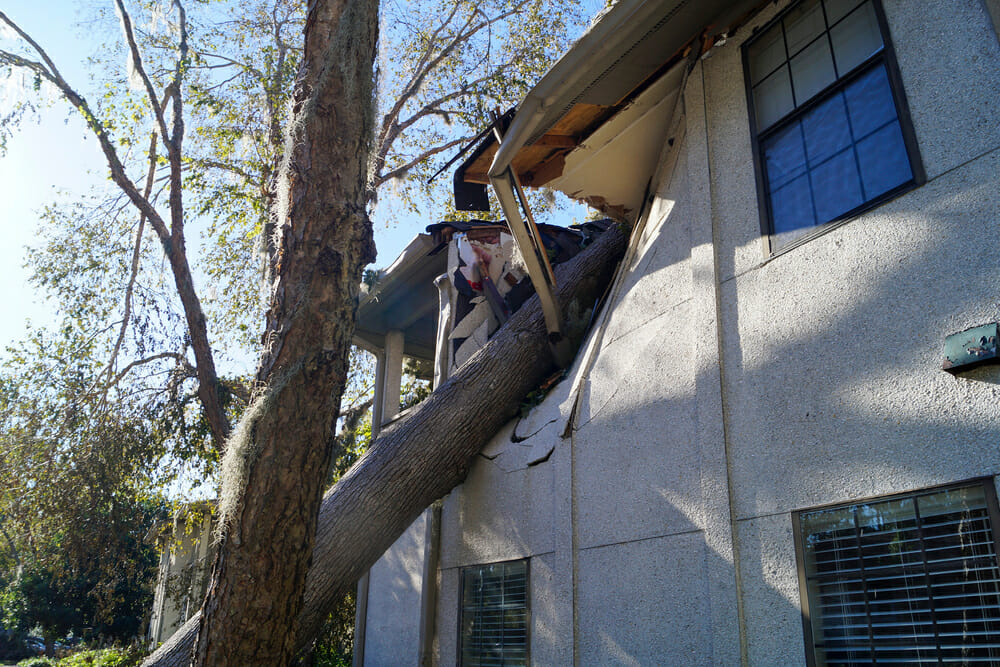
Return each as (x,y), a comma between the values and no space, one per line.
(833,392)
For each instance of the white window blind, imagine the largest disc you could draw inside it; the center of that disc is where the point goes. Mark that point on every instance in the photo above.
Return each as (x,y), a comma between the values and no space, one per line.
(495,615)
(906,580)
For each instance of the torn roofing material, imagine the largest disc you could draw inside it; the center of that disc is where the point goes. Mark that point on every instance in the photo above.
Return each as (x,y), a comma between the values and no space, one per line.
(482,269)
(487,280)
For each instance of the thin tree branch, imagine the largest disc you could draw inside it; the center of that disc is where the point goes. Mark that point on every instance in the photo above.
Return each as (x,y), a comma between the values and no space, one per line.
(222,166)
(136,58)
(426,65)
(402,170)
(182,361)
(134,270)
(390,117)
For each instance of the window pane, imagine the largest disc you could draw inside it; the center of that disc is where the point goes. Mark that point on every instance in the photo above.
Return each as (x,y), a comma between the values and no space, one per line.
(791,209)
(803,24)
(856,38)
(773,98)
(904,580)
(784,156)
(837,188)
(765,54)
(869,102)
(884,163)
(494,623)
(812,71)
(826,129)
(838,9)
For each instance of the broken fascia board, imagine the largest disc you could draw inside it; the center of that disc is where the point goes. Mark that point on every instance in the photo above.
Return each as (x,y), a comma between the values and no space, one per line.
(622,24)
(616,160)
(561,82)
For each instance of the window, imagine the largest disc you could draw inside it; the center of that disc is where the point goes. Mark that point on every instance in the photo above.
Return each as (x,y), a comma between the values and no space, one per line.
(494,629)
(831,131)
(906,579)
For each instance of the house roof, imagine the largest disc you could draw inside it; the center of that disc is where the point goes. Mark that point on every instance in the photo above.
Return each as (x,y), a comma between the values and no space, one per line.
(626,50)
(405,299)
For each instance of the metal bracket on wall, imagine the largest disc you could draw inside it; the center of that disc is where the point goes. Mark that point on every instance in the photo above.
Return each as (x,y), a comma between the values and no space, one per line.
(971,348)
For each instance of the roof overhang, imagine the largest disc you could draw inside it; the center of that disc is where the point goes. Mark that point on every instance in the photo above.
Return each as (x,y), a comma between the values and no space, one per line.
(631,47)
(405,299)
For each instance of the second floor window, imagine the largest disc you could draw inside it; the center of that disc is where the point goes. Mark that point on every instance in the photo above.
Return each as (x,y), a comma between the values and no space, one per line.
(832,135)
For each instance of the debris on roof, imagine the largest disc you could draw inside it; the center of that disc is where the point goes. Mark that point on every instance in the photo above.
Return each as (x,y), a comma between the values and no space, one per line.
(486,279)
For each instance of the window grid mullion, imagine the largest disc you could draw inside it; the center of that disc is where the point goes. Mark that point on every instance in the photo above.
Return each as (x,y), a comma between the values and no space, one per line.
(788,67)
(854,144)
(829,40)
(809,172)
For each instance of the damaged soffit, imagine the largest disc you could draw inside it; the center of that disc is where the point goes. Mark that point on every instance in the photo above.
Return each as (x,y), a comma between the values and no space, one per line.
(624,53)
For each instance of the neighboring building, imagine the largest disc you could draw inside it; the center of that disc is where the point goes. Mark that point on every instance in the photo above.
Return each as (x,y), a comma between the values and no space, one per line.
(186,553)
(756,457)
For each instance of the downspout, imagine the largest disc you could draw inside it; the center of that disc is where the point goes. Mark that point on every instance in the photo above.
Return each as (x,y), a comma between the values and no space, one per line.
(525,233)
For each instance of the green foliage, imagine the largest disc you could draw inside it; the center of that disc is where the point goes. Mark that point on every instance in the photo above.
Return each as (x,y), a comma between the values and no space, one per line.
(105,657)
(335,645)
(38,662)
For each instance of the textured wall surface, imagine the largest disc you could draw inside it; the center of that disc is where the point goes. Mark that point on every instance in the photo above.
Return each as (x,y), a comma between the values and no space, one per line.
(392,634)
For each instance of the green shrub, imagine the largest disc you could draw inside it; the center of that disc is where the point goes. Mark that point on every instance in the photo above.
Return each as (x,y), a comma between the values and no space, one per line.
(38,662)
(105,657)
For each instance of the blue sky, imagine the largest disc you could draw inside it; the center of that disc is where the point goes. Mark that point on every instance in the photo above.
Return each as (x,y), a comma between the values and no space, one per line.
(55,158)
(42,158)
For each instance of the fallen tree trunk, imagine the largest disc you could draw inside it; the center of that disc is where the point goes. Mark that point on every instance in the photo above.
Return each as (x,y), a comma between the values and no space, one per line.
(423,456)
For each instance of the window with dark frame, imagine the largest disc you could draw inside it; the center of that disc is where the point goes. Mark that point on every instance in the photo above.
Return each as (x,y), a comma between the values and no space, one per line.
(905,579)
(495,614)
(831,130)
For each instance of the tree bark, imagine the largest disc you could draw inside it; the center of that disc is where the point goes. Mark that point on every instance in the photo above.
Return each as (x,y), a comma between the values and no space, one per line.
(277,460)
(422,457)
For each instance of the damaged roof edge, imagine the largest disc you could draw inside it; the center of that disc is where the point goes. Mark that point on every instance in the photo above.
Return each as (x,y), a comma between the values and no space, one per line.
(563,79)
(624,47)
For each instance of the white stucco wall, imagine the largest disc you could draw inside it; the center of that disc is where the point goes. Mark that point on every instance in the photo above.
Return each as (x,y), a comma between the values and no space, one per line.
(392,623)
(833,350)
(729,388)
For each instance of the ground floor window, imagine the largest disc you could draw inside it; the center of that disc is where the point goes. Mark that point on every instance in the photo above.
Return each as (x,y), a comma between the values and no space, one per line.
(494,615)
(905,579)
